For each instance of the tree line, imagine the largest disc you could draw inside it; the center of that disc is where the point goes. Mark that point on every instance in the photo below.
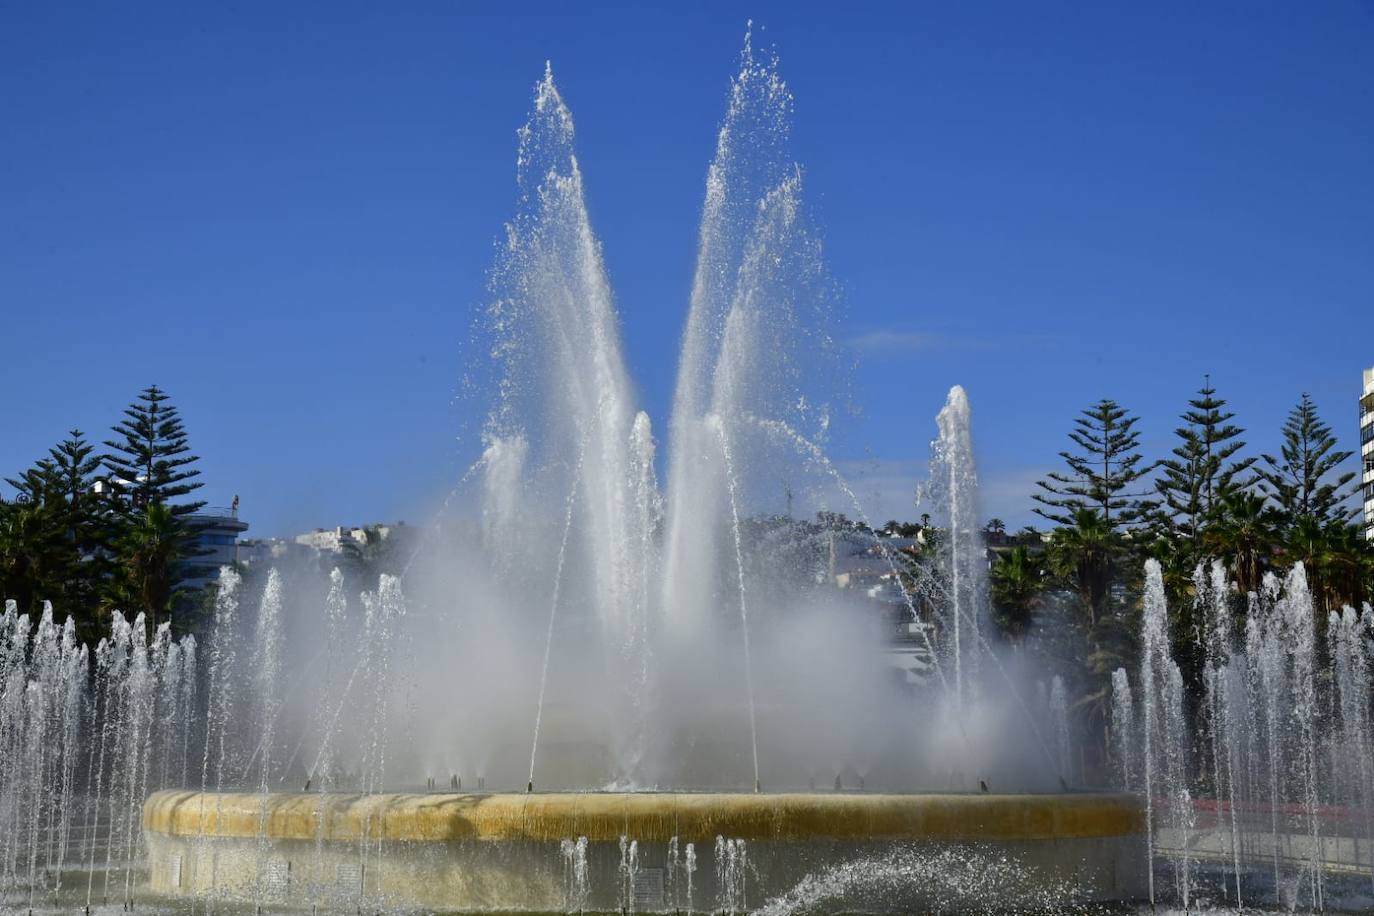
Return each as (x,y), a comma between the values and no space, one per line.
(1208,500)
(94,527)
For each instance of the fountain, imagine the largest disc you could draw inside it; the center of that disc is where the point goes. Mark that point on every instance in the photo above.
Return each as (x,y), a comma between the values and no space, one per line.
(650,682)
(1283,757)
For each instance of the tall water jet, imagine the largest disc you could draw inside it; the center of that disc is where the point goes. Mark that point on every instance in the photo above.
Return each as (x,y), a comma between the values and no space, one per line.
(746,340)
(954,486)
(1162,733)
(1353,689)
(1212,595)
(564,392)
(266,668)
(1059,717)
(1297,615)
(1124,728)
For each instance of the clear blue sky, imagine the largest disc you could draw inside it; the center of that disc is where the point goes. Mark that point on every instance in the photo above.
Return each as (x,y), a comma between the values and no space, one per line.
(284,215)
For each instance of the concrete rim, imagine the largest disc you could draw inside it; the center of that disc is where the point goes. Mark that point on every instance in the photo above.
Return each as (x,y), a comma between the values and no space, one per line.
(646,816)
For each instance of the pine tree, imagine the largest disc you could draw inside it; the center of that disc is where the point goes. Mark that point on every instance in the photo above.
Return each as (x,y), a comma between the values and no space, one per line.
(32,485)
(74,467)
(1101,474)
(151,462)
(1201,474)
(1304,481)
(31,566)
(82,516)
(149,467)
(57,536)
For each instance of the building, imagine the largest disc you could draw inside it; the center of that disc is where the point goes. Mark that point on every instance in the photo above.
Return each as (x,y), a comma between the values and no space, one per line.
(217,533)
(326,547)
(1367,452)
(339,539)
(327,540)
(265,552)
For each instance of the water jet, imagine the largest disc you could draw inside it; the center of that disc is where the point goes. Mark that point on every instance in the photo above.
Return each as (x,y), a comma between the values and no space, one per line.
(651,655)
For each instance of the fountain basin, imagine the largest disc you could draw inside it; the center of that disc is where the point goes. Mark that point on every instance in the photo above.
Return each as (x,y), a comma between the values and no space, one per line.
(506,851)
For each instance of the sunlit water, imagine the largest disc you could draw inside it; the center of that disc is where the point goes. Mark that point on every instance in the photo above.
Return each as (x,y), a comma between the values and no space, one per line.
(585,626)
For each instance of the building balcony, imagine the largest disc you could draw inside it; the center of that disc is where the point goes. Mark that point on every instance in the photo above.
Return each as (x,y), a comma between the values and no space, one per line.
(217,518)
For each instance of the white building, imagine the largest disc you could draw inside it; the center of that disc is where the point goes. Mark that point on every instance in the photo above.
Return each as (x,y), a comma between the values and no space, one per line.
(1367,452)
(266,551)
(336,540)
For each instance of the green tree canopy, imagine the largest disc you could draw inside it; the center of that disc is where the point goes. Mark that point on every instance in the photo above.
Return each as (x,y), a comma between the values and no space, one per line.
(1016,580)
(150,469)
(55,540)
(1202,470)
(150,461)
(1304,481)
(147,549)
(1246,535)
(1082,553)
(1101,473)
(32,567)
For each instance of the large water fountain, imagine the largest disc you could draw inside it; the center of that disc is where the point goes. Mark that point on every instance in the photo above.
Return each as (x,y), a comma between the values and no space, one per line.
(587,691)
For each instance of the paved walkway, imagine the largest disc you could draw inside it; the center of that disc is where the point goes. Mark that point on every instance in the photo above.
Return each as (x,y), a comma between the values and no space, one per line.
(1337,854)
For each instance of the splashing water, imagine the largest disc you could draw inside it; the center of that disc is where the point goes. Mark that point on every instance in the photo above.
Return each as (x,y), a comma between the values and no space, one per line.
(1280,759)
(958,879)
(657,619)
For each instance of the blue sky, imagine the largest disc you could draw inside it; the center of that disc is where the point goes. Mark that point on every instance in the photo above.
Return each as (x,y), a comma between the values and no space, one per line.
(285,215)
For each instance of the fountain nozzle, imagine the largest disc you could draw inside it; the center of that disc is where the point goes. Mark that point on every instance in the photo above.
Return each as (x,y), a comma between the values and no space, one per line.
(757,787)
(529,786)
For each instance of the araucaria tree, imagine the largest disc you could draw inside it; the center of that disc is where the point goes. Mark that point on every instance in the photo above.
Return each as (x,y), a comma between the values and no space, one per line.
(150,462)
(1096,503)
(54,536)
(1202,471)
(150,467)
(1304,480)
(1104,474)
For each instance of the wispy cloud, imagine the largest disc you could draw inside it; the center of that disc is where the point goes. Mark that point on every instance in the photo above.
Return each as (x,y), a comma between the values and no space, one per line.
(888,340)
(896,341)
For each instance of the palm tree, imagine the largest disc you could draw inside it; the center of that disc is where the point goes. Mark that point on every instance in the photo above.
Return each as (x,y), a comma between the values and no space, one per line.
(1246,535)
(1306,543)
(30,559)
(146,577)
(1083,553)
(1349,565)
(1017,580)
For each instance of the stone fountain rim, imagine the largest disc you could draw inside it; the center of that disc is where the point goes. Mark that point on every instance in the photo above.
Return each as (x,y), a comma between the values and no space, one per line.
(645,816)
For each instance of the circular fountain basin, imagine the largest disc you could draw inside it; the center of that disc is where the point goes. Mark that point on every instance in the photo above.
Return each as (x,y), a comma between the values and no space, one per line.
(459,852)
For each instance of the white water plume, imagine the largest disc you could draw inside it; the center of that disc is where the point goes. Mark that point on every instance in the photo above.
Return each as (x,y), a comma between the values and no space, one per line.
(587,625)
